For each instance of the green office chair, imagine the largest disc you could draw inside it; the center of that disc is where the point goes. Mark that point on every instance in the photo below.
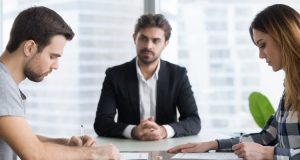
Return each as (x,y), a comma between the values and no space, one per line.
(260,108)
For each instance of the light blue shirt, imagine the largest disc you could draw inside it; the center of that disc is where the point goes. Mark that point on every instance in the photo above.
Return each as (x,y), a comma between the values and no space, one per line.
(12,103)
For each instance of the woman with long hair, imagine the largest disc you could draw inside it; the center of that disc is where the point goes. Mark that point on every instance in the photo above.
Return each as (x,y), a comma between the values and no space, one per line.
(276,33)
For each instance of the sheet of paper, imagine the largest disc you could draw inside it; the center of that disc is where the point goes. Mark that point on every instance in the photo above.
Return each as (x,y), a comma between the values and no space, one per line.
(208,155)
(134,155)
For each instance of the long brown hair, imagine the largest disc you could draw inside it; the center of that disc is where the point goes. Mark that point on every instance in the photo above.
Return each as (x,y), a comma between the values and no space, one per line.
(282,23)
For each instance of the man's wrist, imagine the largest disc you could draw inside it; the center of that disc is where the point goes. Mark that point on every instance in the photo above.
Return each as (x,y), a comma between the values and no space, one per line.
(164,132)
(133,131)
(66,141)
(127,131)
(170,131)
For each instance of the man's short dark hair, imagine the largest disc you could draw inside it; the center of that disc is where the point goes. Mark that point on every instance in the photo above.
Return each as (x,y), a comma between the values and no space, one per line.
(153,20)
(39,24)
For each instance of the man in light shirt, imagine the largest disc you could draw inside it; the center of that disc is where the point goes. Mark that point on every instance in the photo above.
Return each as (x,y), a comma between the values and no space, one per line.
(37,40)
(147,92)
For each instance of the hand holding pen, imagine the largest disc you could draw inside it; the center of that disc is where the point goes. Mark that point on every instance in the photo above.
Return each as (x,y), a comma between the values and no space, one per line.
(82,140)
(86,140)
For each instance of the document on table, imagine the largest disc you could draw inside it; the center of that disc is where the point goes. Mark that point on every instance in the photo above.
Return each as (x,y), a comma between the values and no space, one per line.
(207,155)
(134,155)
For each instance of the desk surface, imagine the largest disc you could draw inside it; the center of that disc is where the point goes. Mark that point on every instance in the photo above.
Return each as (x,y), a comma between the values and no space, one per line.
(158,155)
(135,145)
(161,145)
(156,148)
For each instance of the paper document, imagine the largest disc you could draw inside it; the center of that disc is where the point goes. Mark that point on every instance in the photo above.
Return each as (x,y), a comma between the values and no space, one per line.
(207,155)
(133,155)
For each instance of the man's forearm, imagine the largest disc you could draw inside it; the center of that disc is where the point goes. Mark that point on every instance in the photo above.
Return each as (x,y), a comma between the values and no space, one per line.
(51,150)
(62,141)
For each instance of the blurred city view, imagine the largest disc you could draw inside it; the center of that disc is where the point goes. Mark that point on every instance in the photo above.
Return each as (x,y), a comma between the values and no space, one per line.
(209,37)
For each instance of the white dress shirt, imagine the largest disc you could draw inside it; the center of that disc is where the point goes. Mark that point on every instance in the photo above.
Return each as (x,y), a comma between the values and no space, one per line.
(147,97)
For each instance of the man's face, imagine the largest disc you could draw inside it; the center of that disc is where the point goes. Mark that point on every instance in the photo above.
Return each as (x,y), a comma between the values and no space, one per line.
(41,64)
(149,44)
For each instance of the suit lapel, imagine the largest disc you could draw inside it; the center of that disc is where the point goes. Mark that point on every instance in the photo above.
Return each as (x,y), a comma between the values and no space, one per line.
(161,90)
(133,89)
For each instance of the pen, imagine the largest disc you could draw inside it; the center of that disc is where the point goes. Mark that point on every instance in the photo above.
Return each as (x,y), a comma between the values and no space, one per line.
(241,137)
(81,131)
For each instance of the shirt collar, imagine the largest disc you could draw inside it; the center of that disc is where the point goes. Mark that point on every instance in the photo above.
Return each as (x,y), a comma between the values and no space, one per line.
(139,72)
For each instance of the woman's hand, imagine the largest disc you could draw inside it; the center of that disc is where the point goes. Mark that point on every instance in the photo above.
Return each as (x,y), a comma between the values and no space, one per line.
(194,147)
(251,150)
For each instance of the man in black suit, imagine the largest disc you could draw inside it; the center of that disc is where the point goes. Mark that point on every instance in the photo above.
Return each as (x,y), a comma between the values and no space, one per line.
(147,92)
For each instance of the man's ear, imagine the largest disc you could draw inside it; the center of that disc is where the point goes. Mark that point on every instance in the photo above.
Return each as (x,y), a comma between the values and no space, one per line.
(134,36)
(166,43)
(29,48)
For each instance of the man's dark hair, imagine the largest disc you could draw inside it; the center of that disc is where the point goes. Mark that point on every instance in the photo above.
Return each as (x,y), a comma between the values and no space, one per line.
(153,20)
(39,24)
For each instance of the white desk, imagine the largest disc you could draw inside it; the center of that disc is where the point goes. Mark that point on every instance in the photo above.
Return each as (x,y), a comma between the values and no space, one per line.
(156,148)
(161,145)
(135,145)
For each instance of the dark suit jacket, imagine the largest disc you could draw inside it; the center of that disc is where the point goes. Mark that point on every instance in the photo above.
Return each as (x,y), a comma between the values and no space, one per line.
(120,94)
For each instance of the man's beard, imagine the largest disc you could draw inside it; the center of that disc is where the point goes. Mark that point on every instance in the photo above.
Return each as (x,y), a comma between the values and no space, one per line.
(33,76)
(145,60)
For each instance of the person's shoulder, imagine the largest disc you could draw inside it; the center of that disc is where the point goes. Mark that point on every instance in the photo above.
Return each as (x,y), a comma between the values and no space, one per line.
(171,67)
(10,99)
(7,85)
(5,80)
(121,68)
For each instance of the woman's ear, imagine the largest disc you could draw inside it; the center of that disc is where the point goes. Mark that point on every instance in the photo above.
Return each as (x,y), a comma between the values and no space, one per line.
(29,48)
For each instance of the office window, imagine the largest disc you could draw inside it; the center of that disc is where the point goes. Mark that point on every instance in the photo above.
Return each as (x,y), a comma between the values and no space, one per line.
(211,38)
(103,37)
